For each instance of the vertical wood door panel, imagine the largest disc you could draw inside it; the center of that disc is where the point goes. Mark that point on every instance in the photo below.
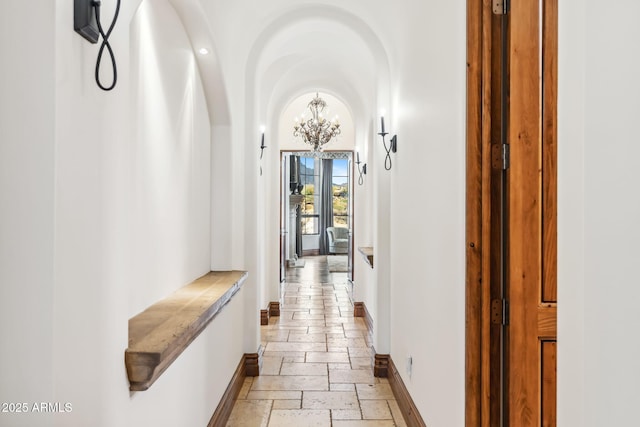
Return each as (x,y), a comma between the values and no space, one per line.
(549,148)
(532,214)
(474,225)
(548,383)
(525,213)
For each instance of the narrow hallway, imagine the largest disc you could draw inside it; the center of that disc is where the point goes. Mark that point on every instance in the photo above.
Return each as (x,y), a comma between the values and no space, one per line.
(317,364)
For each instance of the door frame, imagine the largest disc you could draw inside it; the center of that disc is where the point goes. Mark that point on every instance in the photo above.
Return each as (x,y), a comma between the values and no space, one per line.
(532,215)
(478,214)
(350,208)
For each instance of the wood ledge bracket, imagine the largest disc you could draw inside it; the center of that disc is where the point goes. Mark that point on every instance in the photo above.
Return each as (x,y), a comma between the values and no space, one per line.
(158,335)
(367,253)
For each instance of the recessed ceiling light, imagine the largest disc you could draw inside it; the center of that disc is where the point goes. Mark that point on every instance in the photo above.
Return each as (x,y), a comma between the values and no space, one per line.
(203,51)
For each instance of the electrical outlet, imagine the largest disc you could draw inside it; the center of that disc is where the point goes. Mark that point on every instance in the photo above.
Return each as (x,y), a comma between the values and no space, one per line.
(409,366)
(84,20)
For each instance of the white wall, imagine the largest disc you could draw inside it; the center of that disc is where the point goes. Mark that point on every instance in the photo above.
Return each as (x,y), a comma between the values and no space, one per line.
(599,102)
(27,96)
(427,207)
(106,208)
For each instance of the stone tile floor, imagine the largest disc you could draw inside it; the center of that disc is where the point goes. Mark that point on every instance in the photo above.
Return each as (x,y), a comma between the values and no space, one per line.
(317,363)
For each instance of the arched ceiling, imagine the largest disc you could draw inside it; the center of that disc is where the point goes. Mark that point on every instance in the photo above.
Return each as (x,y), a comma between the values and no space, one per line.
(195,24)
(304,48)
(320,48)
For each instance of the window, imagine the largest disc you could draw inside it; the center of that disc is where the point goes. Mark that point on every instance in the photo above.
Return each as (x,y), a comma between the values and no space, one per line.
(310,179)
(340,183)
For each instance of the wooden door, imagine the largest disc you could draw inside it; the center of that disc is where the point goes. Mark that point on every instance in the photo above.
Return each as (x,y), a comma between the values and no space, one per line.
(511,215)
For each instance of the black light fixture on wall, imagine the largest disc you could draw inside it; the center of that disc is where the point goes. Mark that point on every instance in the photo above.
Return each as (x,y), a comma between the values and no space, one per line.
(86,22)
(262,146)
(393,144)
(361,170)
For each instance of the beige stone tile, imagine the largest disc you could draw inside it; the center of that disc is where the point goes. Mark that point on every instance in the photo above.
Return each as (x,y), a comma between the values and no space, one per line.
(300,417)
(360,352)
(303,306)
(330,400)
(337,342)
(357,324)
(304,369)
(375,410)
(284,354)
(357,343)
(274,395)
(307,382)
(351,376)
(331,357)
(337,336)
(356,333)
(250,413)
(295,346)
(326,311)
(271,365)
(342,387)
(346,414)
(362,423)
(339,365)
(291,327)
(300,322)
(275,335)
(326,330)
(361,362)
(344,321)
(307,316)
(246,386)
(396,413)
(293,337)
(286,404)
(374,391)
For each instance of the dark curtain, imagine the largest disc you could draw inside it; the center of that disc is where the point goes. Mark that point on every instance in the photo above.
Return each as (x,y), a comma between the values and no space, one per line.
(326,203)
(294,179)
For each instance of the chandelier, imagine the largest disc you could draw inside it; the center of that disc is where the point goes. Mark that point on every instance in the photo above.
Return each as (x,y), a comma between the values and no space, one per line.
(317,130)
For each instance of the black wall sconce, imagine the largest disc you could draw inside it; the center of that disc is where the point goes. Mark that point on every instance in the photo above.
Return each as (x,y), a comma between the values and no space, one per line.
(361,170)
(393,144)
(262,146)
(86,22)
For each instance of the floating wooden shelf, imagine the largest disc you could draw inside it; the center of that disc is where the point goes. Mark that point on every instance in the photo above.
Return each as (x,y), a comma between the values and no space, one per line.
(367,253)
(158,335)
